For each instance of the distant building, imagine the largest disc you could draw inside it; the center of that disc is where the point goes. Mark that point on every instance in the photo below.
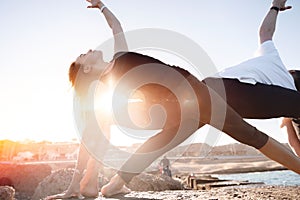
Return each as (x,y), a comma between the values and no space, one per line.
(23,156)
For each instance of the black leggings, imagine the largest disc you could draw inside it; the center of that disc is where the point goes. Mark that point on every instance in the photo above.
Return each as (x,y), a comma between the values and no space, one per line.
(223,103)
(259,101)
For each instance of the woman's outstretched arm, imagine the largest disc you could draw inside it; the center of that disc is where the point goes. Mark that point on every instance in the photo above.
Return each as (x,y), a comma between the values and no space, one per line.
(268,25)
(114,24)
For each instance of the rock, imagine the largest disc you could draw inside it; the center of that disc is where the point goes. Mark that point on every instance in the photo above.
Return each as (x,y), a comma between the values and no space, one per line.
(55,183)
(7,193)
(149,182)
(58,182)
(24,178)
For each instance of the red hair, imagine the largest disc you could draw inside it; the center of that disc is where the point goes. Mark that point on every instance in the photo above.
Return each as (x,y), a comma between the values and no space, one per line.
(79,81)
(73,71)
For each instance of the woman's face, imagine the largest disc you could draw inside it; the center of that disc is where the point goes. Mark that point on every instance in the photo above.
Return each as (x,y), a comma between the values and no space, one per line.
(92,60)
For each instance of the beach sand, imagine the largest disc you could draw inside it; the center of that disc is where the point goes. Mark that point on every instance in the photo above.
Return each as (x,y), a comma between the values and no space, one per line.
(224,193)
(27,178)
(220,166)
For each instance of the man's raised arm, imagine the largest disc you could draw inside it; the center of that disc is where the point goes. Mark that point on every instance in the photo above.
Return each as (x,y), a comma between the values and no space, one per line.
(268,25)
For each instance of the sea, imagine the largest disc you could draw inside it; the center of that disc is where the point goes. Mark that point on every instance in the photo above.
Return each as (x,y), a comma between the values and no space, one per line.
(278,178)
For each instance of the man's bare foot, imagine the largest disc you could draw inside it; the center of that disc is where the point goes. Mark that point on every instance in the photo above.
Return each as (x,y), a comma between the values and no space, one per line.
(89,186)
(115,186)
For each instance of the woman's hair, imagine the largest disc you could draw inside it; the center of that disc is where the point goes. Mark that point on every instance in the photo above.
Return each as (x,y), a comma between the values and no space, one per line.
(79,80)
(296,76)
(73,71)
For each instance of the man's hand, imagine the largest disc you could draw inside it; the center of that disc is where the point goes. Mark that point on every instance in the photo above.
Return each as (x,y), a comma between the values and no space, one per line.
(285,122)
(281,5)
(95,3)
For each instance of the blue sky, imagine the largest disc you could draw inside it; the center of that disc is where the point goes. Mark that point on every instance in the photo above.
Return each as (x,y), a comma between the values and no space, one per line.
(39,39)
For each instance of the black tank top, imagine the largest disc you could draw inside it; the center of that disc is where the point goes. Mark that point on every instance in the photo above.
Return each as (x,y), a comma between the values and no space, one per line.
(126,61)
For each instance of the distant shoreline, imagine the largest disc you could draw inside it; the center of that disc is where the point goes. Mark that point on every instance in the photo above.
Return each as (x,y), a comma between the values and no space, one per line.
(231,165)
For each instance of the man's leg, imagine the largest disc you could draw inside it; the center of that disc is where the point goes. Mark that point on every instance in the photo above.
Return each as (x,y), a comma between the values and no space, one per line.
(236,127)
(259,101)
(243,132)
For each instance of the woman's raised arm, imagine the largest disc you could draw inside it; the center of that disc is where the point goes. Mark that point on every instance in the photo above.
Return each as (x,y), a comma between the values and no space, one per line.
(114,24)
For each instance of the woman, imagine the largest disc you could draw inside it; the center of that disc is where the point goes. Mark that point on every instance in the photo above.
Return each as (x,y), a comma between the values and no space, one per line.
(254,89)
(86,184)
(83,73)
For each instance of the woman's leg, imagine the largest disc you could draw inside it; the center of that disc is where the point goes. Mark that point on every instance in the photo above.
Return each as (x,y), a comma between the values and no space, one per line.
(89,183)
(152,149)
(174,132)
(74,187)
(213,110)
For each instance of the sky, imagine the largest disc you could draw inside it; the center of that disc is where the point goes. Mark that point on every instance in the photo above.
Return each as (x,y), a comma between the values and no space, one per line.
(39,40)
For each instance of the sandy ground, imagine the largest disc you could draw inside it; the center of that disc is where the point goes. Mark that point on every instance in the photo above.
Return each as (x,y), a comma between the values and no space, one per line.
(224,193)
(267,192)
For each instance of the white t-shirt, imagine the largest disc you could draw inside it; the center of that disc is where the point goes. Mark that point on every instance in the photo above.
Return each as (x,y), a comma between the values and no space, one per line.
(266,68)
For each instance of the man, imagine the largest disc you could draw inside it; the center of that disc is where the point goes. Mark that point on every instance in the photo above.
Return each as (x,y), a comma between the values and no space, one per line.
(165,165)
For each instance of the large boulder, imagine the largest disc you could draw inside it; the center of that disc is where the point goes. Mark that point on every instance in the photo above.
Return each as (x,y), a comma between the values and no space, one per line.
(58,182)
(55,183)
(24,178)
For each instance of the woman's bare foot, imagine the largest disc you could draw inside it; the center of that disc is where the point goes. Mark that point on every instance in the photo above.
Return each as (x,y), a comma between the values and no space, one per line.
(72,191)
(65,195)
(115,186)
(89,186)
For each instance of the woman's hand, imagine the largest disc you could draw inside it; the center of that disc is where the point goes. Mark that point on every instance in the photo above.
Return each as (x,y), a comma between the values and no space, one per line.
(114,24)
(95,4)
